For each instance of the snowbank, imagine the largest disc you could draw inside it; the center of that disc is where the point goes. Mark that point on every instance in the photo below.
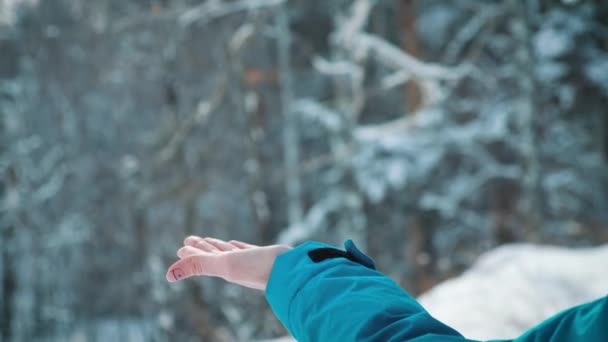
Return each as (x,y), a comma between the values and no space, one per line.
(512,288)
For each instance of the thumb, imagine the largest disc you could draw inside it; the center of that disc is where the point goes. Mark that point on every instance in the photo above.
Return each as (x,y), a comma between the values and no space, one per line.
(187,267)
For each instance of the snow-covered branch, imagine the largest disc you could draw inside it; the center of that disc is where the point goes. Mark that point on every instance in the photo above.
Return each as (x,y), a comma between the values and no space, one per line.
(470,31)
(213,9)
(390,55)
(314,220)
(203,13)
(350,27)
(317,112)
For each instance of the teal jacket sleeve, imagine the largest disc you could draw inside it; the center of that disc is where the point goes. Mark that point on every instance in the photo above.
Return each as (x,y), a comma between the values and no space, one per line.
(587,322)
(320,293)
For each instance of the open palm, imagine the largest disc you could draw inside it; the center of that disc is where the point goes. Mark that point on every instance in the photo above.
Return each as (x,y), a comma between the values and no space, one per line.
(235,261)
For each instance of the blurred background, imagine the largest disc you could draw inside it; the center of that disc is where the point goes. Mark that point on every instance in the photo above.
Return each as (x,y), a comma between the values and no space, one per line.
(428,131)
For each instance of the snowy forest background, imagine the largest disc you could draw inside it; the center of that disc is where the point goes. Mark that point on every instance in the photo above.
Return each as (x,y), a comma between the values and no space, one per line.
(428,131)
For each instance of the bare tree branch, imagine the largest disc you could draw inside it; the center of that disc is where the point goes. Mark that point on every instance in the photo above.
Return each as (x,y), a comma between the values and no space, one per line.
(203,110)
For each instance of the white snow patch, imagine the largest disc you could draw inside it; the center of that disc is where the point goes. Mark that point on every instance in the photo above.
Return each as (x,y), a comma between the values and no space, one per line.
(514,287)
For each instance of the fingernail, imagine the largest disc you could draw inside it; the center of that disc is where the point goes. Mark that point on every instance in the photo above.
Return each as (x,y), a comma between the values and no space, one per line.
(175,274)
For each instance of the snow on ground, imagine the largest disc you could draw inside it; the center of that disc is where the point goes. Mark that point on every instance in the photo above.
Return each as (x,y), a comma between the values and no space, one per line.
(514,287)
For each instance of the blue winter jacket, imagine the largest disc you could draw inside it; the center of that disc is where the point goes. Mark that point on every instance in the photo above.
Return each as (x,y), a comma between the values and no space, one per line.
(324,294)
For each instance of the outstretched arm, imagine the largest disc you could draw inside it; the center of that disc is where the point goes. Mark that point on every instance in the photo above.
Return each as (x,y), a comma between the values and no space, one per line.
(321,293)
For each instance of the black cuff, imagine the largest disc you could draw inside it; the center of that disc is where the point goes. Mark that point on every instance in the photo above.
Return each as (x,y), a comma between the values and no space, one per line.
(352,253)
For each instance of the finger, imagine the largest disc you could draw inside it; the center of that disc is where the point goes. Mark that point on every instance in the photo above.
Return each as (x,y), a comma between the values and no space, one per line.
(196,265)
(183,269)
(188,251)
(200,243)
(221,245)
(192,240)
(241,245)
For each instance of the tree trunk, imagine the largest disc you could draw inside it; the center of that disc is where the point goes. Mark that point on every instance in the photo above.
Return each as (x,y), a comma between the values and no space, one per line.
(291,150)
(526,108)
(7,288)
(410,44)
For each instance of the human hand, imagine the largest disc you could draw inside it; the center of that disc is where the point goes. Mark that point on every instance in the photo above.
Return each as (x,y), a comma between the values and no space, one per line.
(235,261)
